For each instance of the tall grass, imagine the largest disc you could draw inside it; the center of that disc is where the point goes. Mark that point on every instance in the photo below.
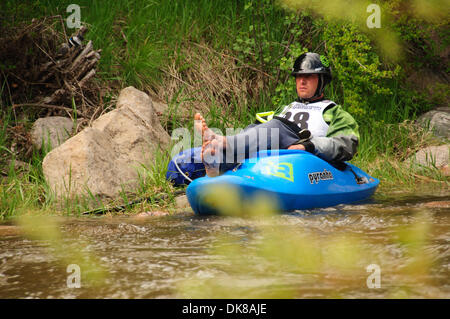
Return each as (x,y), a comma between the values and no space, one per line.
(24,188)
(140,37)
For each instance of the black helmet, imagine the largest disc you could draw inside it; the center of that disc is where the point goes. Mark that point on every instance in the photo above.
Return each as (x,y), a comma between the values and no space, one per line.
(313,63)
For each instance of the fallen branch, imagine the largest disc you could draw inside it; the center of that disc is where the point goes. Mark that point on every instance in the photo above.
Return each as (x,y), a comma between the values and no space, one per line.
(53,72)
(48,106)
(428,179)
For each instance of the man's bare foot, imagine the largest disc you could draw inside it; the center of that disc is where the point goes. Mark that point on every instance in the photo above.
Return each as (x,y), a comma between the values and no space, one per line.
(200,126)
(212,146)
(206,133)
(211,157)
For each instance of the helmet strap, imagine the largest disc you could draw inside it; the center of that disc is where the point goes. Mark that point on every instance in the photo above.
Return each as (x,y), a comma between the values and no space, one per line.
(320,85)
(311,99)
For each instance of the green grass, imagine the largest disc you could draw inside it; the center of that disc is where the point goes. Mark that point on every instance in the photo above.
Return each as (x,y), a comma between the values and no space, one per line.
(23,189)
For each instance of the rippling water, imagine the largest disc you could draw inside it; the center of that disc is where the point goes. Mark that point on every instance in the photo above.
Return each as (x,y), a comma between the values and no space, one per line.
(161,257)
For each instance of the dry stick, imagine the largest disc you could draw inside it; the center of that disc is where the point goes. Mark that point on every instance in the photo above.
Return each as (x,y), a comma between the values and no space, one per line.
(82,95)
(64,28)
(34,24)
(428,179)
(96,111)
(49,99)
(18,136)
(50,28)
(123,36)
(174,76)
(89,64)
(360,63)
(54,68)
(9,92)
(89,75)
(81,56)
(45,66)
(48,55)
(57,63)
(48,106)
(93,52)
(26,82)
(72,54)
(123,207)
(235,58)
(290,40)
(318,47)
(86,103)
(94,116)
(83,99)
(48,71)
(261,58)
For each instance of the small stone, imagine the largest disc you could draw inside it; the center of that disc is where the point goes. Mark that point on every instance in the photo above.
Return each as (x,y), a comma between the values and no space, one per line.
(51,131)
(19,166)
(438,204)
(181,202)
(152,214)
(433,156)
(9,230)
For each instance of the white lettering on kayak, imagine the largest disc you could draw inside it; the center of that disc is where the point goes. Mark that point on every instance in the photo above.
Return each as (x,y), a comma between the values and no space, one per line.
(316,177)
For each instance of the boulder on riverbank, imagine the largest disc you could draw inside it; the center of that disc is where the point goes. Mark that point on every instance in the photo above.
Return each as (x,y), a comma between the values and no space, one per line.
(105,158)
(433,157)
(51,131)
(437,121)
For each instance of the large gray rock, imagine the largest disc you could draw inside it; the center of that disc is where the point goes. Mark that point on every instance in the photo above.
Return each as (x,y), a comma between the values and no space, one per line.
(106,157)
(51,131)
(433,156)
(438,121)
(85,161)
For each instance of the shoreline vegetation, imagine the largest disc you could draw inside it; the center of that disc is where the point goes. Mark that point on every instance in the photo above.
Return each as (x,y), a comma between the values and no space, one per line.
(231,61)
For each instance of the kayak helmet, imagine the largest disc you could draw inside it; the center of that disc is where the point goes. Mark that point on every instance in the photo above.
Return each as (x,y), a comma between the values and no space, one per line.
(313,63)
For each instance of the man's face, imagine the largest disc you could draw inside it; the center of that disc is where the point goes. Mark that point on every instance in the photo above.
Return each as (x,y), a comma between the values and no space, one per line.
(306,85)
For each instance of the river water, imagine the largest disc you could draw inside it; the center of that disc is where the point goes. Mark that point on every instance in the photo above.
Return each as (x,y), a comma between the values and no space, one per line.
(395,246)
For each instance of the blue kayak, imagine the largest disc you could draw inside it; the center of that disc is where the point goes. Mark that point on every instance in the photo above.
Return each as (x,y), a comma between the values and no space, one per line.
(295,179)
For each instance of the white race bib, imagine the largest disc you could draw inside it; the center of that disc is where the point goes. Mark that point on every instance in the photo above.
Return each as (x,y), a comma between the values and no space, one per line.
(308,116)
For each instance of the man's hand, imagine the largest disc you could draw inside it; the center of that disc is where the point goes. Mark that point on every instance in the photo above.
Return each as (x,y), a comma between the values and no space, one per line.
(296,147)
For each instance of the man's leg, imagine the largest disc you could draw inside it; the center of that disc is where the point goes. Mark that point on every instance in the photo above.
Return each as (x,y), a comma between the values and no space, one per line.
(221,153)
(271,135)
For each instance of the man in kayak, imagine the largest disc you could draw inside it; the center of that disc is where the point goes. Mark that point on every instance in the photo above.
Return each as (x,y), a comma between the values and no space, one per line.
(310,123)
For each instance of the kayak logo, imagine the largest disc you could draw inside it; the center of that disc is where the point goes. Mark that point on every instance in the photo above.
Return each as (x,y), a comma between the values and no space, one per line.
(316,177)
(282,170)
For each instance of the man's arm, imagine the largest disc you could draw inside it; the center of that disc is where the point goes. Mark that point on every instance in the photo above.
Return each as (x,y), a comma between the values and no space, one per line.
(342,138)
